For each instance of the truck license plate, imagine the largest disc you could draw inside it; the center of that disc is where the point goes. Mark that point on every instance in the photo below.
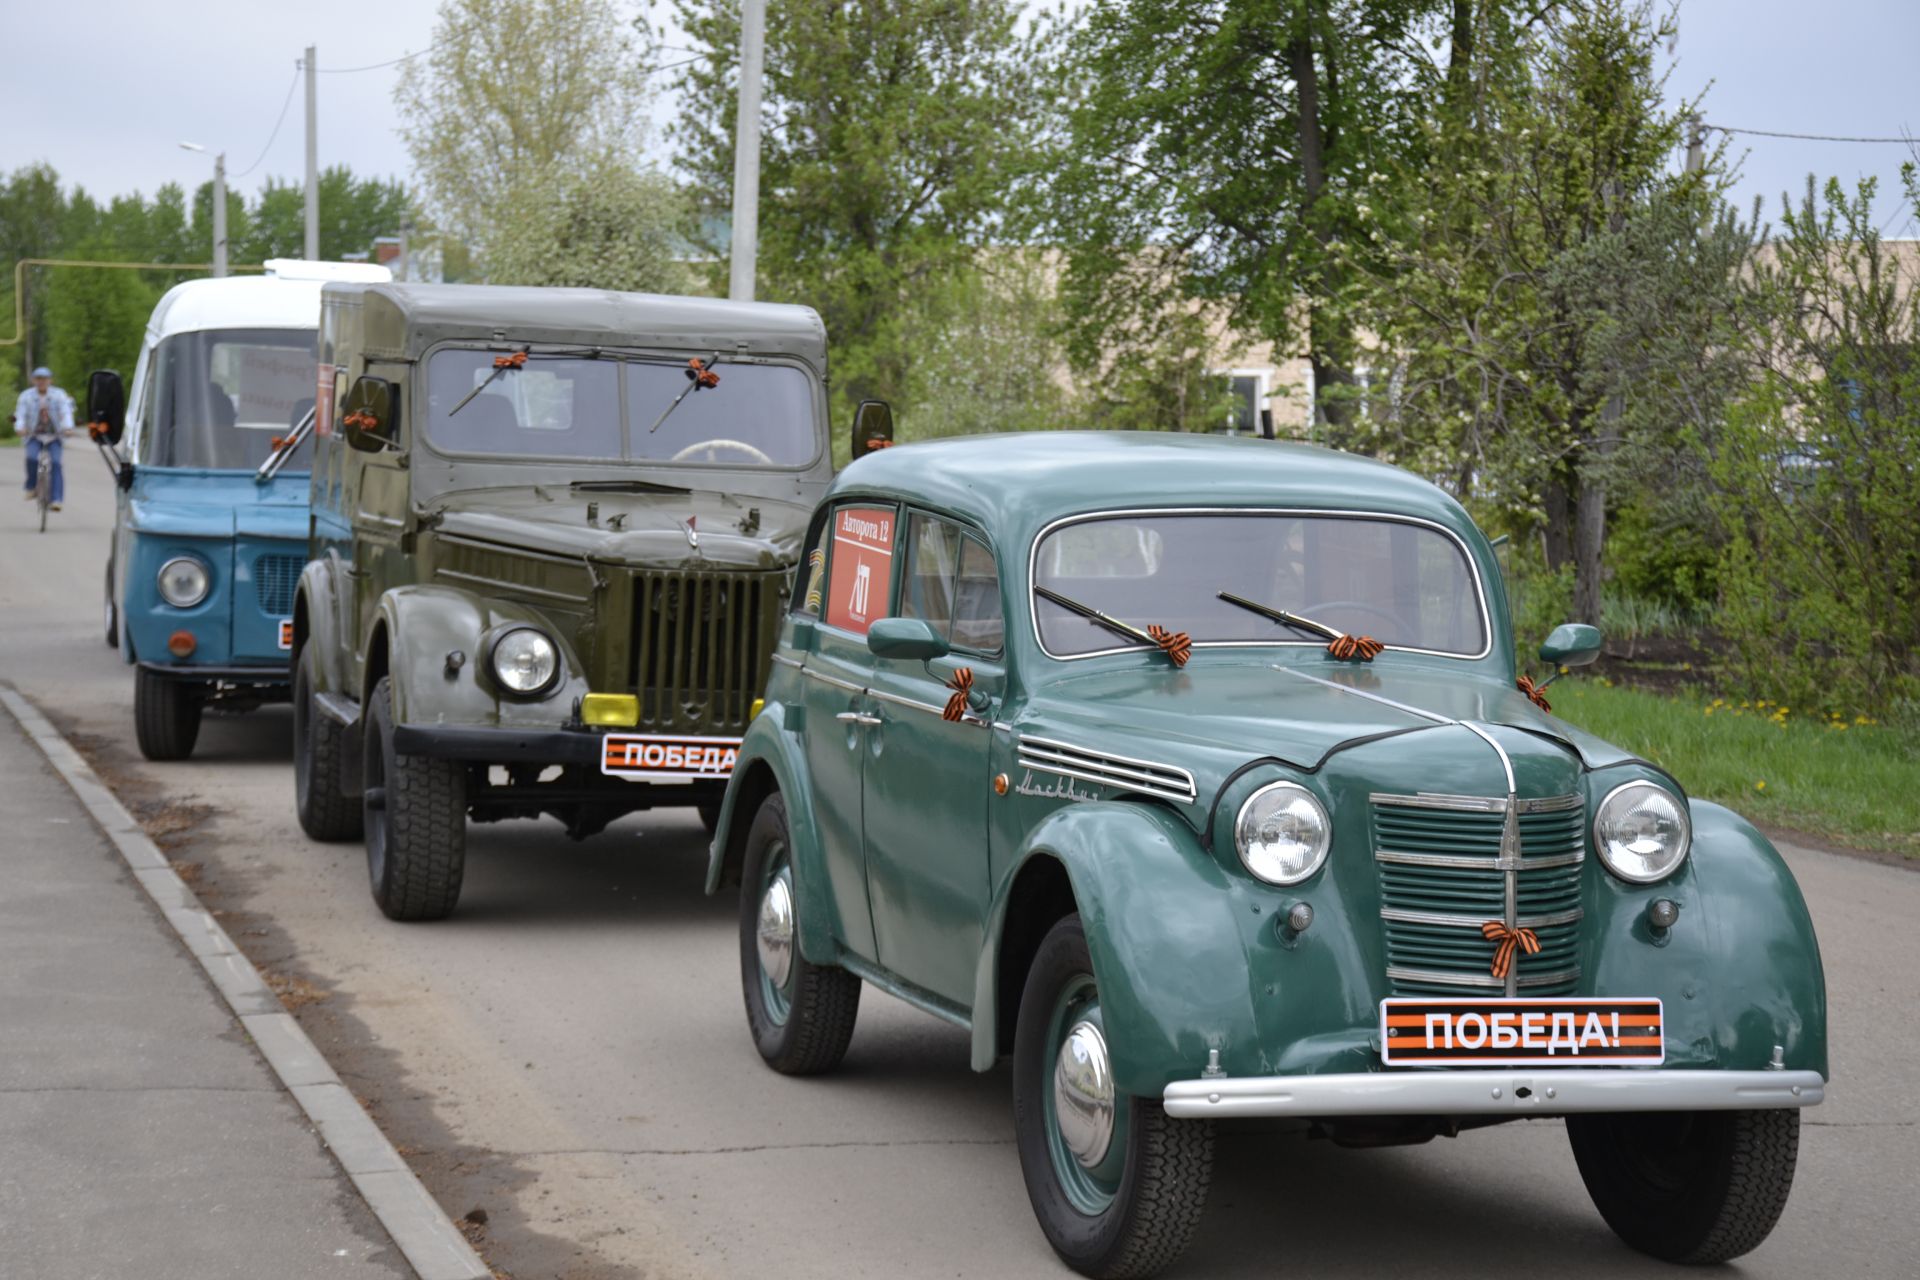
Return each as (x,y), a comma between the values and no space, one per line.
(1542,1032)
(646,757)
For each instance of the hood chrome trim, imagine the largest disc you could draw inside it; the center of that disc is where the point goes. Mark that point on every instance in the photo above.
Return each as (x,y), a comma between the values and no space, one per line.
(1148,777)
(1480,804)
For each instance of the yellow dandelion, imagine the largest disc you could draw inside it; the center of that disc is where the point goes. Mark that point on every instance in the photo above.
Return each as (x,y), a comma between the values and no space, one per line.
(1760,785)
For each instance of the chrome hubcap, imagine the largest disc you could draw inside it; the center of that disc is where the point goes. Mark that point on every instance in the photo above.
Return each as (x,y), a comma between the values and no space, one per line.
(773,934)
(1083,1094)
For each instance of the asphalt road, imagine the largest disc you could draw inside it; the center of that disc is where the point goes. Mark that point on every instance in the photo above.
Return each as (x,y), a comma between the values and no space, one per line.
(569,1055)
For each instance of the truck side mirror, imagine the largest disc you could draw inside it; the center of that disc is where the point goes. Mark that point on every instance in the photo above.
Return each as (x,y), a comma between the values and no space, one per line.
(1571,644)
(872,427)
(371,416)
(905,638)
(106,406)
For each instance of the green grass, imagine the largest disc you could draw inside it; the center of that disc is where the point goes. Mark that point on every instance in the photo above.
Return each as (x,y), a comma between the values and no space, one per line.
(1851,782)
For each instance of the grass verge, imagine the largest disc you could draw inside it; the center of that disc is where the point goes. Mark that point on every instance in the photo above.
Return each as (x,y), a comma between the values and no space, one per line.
(1851,782)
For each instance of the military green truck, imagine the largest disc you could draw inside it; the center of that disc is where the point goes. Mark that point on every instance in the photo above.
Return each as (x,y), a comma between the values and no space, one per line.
(554,533)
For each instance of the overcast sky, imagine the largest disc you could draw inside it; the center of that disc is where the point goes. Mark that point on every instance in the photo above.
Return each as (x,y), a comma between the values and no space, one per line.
(123,81)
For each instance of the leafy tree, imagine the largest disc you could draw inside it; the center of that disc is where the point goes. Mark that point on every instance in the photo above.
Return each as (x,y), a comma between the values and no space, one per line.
(95,316)
(895,131)
(352,212)
(608,227)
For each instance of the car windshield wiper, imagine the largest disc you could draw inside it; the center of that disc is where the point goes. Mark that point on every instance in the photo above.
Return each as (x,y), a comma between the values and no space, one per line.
(500,365)
(284,447)
(1339,643)
(628,486)
(1175,644)
(700,375)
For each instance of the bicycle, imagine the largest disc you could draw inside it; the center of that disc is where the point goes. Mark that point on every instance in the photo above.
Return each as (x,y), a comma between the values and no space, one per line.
(43,482)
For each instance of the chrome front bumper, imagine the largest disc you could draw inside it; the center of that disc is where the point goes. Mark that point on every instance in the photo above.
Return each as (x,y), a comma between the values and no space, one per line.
(1551,1092)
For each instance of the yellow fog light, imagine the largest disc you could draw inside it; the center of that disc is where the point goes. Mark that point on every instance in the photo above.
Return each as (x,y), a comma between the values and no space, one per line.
(615,710)
(759,705)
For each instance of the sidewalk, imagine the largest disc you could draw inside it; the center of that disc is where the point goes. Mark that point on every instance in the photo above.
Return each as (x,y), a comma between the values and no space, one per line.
(141,1132)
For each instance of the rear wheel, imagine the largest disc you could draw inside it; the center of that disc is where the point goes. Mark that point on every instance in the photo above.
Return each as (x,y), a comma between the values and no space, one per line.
(414,809)
(1689,1186)
(801,1014)
(166,715)
(1117,1185)
(320,751)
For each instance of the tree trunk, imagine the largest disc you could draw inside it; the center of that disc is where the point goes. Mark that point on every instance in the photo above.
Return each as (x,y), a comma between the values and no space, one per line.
(1325,346)
(1557,537)
(1460,55)
(1589,536)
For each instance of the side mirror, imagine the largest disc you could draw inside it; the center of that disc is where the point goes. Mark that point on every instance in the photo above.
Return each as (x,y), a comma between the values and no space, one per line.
(371,416)
(106,406)
(1572,644)
(872,427)
(905,638)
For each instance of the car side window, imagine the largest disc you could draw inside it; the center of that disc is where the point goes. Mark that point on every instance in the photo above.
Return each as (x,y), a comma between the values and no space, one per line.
(811,597)
(860,567)
(952,585)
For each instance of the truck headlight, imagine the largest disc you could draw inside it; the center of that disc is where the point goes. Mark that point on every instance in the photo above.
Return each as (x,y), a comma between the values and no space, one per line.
(1642,832)
(1282,833)
(183,582)
(525,661)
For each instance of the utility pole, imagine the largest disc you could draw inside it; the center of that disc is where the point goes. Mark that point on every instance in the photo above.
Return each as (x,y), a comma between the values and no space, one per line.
(220,215)
(1696,144)
(746,150)
(313,161)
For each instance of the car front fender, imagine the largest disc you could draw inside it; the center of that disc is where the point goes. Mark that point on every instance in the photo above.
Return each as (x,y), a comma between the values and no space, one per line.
(422,626)
(316,621)
(1168,954)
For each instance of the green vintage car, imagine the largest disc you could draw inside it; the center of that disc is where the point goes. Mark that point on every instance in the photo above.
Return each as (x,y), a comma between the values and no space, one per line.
(1199,776)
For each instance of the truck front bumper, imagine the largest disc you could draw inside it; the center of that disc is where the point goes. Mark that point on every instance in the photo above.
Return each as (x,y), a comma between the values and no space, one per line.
(488,744)
(1512,1092)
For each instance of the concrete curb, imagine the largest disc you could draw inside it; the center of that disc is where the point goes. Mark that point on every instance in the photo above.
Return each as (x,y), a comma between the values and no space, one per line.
(433,1246)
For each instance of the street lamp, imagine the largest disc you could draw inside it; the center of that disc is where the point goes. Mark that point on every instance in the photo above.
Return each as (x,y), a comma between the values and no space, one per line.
(219,206)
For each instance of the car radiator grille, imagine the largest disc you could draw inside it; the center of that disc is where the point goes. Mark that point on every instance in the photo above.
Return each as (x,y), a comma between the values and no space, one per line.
(275,579)
(701,646)
(1442,877)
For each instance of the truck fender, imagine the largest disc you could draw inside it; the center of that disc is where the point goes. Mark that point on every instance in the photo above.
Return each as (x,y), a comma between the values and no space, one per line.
(1167,953)
(316,620)
(414,631)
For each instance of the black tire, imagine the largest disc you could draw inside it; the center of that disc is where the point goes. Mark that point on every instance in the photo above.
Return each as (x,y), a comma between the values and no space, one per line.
(113,612)
(801,1026)
(166,715)
(321,747)
(710,815)
(1162,1166)
(414,810)
(1689,1186)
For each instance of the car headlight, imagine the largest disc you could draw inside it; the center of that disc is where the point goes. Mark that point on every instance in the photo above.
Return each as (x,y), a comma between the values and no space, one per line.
(183,582)
(525,661)
(1282,833)
(1642,832)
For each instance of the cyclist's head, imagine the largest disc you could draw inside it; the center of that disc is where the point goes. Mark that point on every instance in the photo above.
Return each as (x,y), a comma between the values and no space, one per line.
(42,378)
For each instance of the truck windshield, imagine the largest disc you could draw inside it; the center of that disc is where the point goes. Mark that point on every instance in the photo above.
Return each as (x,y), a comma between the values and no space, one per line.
(569,407)
(1409,586)
(218,398)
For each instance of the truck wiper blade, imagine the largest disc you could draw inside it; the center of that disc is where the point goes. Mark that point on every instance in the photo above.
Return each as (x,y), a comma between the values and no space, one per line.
(1175,644)
(500,365)
(284,448)
(699,374)
(1294,620)
(628,486)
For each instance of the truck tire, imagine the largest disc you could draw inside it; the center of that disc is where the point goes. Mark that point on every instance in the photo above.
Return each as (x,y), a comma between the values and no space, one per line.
(414,809)
(166,715)
(1119,1197)
(801,1014)
(1697,1187)
(320,752)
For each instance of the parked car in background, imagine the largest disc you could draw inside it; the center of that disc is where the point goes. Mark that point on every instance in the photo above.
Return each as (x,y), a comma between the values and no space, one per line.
(1198,775)
(208,541)
(554,534)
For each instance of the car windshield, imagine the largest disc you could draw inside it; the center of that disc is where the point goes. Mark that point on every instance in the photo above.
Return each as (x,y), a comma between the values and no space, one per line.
(569,407)
(219,398)
(1407,585)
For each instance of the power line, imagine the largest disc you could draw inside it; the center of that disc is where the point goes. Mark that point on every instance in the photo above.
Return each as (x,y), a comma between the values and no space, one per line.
(276,124)
(375,66)
(1808,137)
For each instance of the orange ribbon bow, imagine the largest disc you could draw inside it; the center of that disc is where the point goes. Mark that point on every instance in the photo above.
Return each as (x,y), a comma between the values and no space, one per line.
(961,683)
(701,375)
(1365,648)
(1509,938)
(1175,644)
(514,361)
(360,418)
(1536,694)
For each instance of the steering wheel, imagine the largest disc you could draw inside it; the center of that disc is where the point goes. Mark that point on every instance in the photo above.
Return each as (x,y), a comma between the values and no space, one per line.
(1323,607)
(713,446)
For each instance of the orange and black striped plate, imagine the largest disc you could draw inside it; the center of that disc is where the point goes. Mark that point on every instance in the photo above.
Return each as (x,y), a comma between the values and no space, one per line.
(1546,1031)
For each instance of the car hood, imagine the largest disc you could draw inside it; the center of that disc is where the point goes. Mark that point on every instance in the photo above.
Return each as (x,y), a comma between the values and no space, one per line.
(1215,717)
(629,528)
(183,503)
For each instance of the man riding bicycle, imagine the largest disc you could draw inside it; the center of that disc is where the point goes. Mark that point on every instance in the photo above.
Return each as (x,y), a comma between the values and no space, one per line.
(43,415)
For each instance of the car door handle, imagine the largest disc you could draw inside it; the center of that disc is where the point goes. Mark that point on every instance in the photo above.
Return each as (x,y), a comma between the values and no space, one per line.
(857,717)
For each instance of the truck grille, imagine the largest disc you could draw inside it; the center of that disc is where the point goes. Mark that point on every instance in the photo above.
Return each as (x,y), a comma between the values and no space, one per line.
(1441,878)
(701,644)
(275,579)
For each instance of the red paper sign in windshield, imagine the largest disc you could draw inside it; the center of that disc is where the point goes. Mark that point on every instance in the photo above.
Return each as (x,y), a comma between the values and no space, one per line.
(861,581)
(323,401)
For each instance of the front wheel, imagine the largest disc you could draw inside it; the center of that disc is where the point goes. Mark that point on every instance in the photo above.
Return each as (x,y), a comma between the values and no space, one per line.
(320,751)
(1689,1186)
(414,809)
(801,1014)
(166,715)
(1118,1185)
